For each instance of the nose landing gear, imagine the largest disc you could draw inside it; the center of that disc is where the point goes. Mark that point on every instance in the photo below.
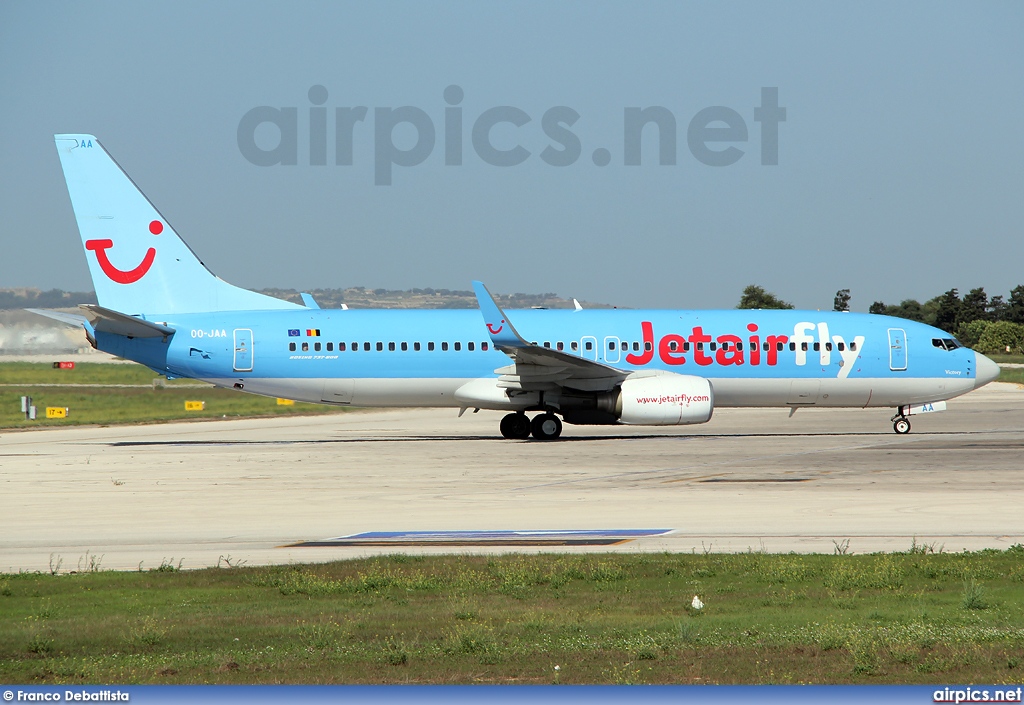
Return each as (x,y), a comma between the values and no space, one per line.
(544,427)
(900,422)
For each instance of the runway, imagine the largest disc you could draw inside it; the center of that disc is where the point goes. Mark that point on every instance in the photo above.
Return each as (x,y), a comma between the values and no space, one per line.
(201,492)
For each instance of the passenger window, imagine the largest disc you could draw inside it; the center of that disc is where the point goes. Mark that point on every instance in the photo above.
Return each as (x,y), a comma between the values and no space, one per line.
(828,346)
(853,346)
(574,345)
(305,347)
(589,345)
(380,346)
(405,346)
(391,347)
(673,345)
(291,346)
(547,344)
(817,347)
(611,345)
(778,347)
(559,345)
(330,347)
(739,346)
(765,346)
(792,346)
(841,346)
(625,345)
(316,347)
(444,346)
(416,347)
(458,346)
(686,346)
(700,346)
(803,346)
(714,346)
(725,346)
(470,346)
(341,347)
(648,347)
(366,347)
(483,346)
(430,347)
(636,346)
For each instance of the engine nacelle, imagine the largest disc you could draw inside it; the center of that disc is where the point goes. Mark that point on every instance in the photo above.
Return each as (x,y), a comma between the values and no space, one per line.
(665,399)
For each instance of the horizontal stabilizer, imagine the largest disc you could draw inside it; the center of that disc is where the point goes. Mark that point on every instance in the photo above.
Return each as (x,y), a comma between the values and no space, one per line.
(72,319)
(104,320)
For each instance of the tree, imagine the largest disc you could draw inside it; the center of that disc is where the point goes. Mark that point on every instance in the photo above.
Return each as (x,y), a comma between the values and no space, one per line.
(908,308)
(842,300)
(997,309)
(1002,337)
(1015,306)
(948,311)
(970,334)
(756,297)
(974,307)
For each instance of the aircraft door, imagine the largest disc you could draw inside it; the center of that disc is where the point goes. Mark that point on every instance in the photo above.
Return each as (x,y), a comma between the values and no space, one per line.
(588,347)
(243,350)
(611,349)
(897,349)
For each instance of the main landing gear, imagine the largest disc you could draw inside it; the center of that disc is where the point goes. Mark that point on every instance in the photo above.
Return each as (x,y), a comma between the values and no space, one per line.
(544,427)
(900,423)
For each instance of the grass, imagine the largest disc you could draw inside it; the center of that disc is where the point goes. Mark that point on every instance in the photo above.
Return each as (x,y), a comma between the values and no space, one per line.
(1013,375)
(915,617)
(117,404)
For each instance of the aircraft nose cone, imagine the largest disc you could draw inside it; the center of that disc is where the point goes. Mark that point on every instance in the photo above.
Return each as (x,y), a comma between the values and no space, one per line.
(987,371)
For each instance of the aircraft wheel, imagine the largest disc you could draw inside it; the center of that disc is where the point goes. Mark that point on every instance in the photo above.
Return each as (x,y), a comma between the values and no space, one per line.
(515,426)
(546,427)
(901,426)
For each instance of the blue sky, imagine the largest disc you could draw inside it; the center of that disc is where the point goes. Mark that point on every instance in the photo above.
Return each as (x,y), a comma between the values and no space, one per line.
(900,163)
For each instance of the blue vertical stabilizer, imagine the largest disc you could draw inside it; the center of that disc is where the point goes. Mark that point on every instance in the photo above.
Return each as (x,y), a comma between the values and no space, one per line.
(138,263)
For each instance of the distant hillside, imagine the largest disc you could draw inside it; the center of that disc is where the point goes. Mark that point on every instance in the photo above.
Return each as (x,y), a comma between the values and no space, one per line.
(361,297)
(354,297)
(34,298)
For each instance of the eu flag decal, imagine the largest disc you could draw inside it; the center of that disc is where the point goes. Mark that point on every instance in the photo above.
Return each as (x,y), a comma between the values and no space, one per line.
(293,332)
(313,332)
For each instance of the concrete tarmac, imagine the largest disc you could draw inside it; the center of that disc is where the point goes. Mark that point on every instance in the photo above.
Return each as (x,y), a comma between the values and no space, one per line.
(203,492)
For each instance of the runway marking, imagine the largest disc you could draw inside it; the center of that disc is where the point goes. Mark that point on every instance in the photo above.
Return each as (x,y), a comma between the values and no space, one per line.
(567,537)
(754,479)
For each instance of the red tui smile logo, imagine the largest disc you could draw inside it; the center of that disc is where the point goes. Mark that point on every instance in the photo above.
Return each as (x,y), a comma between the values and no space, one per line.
(490,327)
(119,275)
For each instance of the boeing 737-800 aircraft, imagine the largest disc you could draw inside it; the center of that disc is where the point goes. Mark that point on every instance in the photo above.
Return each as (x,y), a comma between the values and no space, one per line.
(160,306)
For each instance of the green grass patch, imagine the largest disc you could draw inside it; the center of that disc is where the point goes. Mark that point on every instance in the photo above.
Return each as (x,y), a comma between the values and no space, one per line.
(1016,359)
(118,405)
(1013,375)
(917,617)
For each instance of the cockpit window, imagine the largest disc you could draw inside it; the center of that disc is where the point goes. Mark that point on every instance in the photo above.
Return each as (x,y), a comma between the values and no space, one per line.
(947,343)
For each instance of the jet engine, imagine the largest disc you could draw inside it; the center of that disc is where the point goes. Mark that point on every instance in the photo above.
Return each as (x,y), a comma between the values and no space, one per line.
(644,399)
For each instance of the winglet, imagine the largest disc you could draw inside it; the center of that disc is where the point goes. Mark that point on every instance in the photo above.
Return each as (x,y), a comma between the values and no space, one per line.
(503,334)
(308,301)
(576,305)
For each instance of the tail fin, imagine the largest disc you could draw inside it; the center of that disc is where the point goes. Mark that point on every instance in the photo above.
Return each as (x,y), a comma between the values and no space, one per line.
(138,263)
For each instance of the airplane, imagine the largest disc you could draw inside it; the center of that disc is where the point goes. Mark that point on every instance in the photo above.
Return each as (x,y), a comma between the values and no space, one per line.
(160,306)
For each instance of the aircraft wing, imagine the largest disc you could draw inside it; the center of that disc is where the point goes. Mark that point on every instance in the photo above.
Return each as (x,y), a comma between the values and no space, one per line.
(537,368)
